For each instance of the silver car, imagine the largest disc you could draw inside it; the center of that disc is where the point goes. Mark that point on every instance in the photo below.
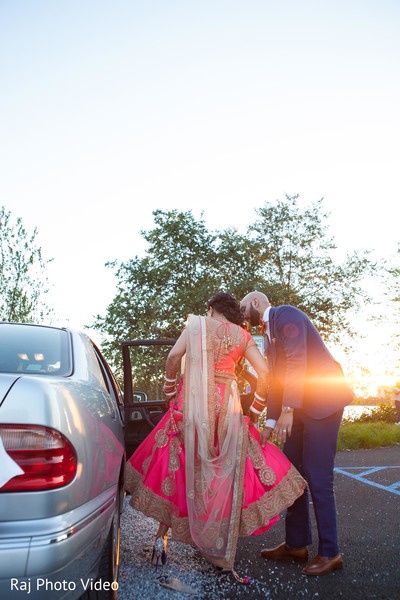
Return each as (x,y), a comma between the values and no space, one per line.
(62,461)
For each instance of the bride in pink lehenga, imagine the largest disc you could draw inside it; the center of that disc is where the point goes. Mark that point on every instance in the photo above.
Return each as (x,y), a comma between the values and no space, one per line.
(204,470)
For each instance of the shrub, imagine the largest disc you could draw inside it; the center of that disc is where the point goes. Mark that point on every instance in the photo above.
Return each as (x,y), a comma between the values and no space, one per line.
(385,413)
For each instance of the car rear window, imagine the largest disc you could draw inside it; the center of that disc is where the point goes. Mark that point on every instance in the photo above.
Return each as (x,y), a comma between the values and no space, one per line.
(34,349)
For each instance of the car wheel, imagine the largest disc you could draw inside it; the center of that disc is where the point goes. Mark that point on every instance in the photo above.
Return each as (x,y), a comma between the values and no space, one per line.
(109,562)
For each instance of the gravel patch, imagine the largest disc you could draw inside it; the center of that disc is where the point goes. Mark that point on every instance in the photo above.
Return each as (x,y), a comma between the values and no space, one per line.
(139,580)
(269,580)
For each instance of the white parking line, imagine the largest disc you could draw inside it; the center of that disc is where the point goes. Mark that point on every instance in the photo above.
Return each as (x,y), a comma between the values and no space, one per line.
(361,475)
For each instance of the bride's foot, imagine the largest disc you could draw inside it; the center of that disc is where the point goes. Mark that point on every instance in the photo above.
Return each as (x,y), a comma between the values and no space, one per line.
(244,580)
(159,555)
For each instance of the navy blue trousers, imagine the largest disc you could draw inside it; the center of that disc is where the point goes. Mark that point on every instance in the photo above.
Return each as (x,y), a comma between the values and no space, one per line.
(312,449)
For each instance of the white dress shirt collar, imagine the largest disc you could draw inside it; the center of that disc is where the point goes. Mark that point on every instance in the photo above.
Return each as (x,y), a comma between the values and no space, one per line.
(266,314)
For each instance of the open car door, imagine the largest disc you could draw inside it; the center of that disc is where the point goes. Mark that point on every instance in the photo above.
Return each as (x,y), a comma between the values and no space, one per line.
(144,367)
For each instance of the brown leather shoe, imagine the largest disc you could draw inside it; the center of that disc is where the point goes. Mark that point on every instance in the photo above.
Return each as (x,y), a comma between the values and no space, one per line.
(282,552)
(322,565)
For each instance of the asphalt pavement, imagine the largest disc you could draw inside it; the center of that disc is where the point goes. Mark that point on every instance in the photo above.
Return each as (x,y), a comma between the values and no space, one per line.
(367,484)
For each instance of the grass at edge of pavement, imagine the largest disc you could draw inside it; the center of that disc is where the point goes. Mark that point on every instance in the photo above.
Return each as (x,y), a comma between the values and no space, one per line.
(354,436)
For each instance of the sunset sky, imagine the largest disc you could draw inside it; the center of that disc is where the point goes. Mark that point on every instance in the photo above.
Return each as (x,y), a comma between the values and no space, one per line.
(110,110)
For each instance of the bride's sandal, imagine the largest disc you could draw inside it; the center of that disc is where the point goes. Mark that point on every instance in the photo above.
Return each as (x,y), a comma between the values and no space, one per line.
(159,554)
(243,580)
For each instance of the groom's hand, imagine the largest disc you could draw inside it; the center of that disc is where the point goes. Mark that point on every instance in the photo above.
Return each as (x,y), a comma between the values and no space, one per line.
(283,427)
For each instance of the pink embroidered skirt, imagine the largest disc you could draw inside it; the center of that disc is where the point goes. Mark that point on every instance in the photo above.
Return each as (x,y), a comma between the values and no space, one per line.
(155,476)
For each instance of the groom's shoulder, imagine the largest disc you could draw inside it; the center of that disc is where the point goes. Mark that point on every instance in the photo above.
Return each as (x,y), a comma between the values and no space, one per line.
(286,313)
(288,309)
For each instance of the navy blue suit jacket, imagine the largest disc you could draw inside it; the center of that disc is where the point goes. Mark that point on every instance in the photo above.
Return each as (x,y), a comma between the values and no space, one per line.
(303,372)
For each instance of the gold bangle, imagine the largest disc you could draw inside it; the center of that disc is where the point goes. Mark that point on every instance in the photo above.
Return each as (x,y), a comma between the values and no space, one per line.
(287,409)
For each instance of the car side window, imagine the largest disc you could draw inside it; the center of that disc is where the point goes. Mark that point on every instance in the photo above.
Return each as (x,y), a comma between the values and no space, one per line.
(109,380)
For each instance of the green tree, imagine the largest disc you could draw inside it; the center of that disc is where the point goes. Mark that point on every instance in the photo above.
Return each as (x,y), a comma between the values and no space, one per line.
(286,253)
(23,283)
(155,293)
(297,263)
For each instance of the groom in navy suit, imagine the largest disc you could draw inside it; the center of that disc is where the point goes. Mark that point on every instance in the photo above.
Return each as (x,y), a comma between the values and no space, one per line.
(307,395)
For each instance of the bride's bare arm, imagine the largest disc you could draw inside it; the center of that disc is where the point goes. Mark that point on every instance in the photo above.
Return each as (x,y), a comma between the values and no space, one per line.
(172,367)
(258,363)
(253,355)
(175,355)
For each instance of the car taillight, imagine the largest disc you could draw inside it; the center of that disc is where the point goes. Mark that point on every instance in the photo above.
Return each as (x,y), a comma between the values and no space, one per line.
(47,458)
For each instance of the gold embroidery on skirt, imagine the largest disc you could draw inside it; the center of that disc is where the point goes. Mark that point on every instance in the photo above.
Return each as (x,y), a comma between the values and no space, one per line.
(169,486)
(259,513)
(146,463)
(219,543)
(160,509)
(266,474)
(174,451)
(161,437)
(217,399)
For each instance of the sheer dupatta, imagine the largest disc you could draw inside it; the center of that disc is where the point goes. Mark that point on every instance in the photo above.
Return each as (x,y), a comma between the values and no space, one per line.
(215,448)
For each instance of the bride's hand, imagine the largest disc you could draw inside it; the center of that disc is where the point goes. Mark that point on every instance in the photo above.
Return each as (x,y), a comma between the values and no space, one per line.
(265,435)
(253,417)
